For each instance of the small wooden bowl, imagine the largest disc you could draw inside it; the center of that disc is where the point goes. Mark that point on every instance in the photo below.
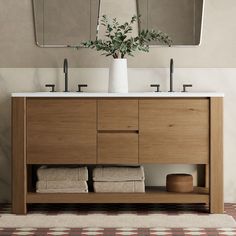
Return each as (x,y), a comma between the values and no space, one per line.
(179,183)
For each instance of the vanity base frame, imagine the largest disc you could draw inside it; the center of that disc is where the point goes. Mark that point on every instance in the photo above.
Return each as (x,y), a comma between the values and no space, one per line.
(211,193)
(152,195)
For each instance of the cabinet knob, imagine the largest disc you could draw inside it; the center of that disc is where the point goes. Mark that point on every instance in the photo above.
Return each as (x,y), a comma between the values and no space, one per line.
(81,86)
(157,86)
(186,86)
(52,86)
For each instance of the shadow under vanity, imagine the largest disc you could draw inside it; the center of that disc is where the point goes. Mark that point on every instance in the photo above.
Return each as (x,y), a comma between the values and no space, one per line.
(123,129)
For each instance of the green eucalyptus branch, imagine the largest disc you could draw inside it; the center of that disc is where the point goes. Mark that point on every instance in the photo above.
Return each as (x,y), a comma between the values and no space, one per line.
(117,43)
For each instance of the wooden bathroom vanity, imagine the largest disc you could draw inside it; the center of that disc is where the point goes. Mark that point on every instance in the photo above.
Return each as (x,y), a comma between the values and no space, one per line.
(101,128)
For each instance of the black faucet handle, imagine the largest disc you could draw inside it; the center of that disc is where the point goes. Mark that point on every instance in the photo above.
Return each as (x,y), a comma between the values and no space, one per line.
(157,86)
(65,66)
(172,65)
(81,86)
(52,86)
(186,86)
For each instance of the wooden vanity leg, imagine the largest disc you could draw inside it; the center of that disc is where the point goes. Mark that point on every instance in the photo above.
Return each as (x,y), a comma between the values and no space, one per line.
(216,155)
(19,155)
(207,177)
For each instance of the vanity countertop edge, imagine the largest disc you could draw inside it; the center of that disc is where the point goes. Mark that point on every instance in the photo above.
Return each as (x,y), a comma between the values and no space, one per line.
(111,95)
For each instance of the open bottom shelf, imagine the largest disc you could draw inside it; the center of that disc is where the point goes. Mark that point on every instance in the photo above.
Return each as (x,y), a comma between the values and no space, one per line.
(152,195)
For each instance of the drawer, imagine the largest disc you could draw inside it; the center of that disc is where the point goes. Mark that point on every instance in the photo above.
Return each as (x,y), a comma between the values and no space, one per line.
(118,114)
(117,148)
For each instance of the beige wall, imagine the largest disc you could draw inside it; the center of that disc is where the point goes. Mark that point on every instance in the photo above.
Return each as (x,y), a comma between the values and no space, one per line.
(17,48)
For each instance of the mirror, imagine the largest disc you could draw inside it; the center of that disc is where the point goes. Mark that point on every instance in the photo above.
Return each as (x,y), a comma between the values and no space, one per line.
(180,19)
(59,23)
(127,9)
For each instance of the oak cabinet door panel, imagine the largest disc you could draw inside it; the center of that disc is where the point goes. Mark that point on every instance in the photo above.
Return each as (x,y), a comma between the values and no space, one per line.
(61,131)
(174,131)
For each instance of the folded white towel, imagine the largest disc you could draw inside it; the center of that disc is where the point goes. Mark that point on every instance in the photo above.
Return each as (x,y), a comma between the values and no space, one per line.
(119,187)
(118,173)
(61,186)
(62,173)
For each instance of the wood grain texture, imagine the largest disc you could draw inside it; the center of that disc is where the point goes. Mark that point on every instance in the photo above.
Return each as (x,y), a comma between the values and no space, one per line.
(117,148)
(61,131)
(174,131)
(19,178)
(207,176)
(152,195)
(216,156)
(118,114)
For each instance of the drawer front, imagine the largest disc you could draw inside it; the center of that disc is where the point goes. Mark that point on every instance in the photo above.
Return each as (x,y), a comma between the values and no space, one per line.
(117,148)
(118,114)
(61,131)
(174,131)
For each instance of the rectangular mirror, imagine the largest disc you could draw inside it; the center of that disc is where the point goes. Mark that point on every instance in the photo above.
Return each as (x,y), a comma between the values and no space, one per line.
(180,19)
(59,23)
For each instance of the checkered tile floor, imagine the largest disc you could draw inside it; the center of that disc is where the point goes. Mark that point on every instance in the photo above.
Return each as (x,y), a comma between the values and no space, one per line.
(230,209)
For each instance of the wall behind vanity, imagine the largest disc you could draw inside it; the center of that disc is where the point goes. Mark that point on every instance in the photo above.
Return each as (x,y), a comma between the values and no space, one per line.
(210,67)
(17,48)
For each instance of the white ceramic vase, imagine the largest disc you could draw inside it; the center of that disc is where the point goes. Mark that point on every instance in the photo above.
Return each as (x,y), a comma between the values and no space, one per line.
(118,76)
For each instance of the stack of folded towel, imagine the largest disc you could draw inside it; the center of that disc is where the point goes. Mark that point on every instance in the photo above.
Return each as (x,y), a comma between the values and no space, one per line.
(62,180)
(118,179)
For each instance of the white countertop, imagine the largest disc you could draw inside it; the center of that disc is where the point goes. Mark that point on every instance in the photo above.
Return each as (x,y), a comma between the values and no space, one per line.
(131,94)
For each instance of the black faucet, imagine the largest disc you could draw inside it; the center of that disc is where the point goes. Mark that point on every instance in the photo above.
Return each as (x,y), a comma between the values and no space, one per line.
(171,74)
(65,70)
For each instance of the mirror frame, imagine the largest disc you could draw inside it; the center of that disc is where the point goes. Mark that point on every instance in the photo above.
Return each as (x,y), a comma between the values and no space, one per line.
(56,45)
(183,46)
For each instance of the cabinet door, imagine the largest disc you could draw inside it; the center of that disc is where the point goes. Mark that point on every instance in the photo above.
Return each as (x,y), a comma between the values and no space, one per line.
(174,131)
(61,131)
